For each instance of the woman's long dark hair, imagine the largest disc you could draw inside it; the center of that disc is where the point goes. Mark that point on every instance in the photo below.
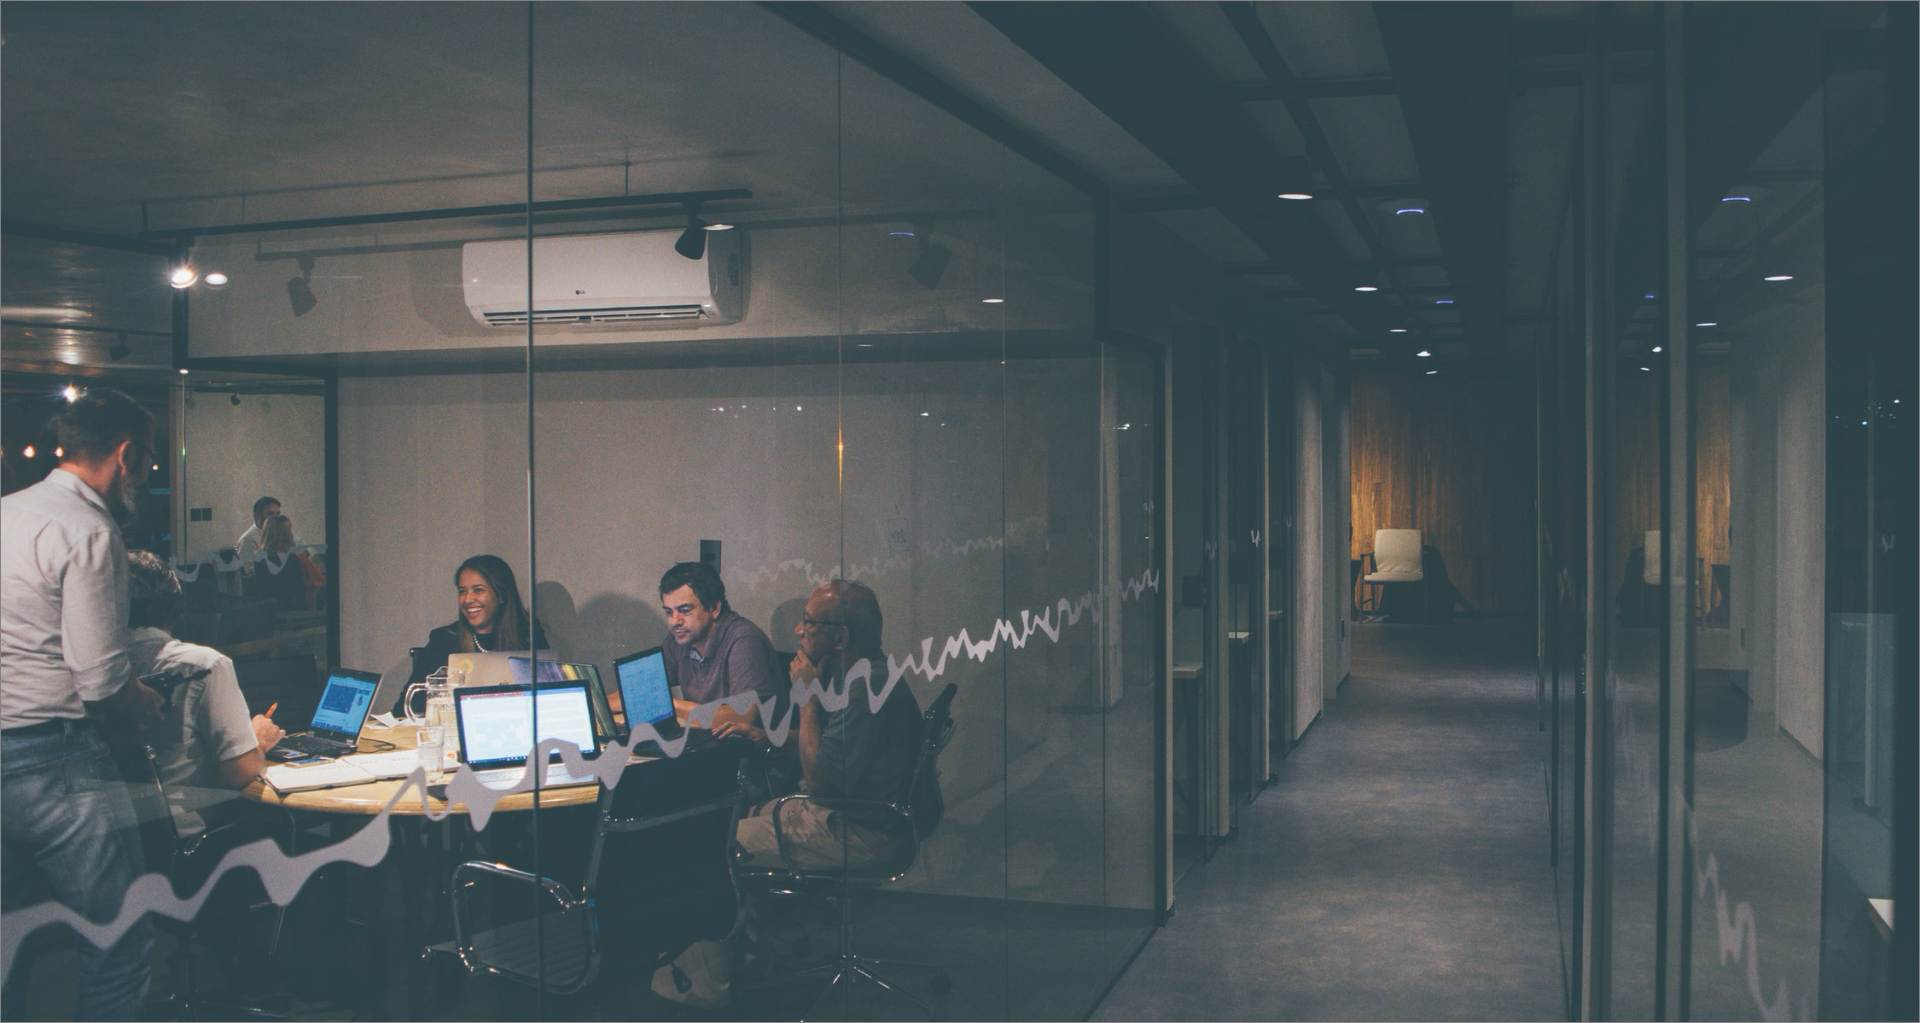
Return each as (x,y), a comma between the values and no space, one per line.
(511,629)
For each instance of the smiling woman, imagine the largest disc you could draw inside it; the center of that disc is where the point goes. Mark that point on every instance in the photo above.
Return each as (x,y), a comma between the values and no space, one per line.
(489,616)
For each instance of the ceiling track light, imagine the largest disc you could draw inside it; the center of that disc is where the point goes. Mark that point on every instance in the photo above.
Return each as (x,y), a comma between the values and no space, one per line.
(931,263)
(1296,180)
(182,276)
(299,291)
(692,242)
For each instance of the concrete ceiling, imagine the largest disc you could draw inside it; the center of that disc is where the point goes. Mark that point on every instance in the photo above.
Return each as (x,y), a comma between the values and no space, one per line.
(136,119)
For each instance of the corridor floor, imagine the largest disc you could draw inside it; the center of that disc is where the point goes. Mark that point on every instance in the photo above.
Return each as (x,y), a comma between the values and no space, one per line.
(1396,869)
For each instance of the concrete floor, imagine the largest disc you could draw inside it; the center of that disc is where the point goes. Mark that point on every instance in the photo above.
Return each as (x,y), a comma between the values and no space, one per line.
(1396,869)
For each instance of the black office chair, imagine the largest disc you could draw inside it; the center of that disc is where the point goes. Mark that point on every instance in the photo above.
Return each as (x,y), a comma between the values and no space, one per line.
(919,818)
(187,862)
(559,950)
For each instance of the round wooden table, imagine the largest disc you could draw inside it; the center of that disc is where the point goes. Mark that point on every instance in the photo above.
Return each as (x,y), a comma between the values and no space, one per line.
(371,798)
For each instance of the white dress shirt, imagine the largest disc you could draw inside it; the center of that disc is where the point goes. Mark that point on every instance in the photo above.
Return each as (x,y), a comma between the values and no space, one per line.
(206,724)
(63,602)
(249,541)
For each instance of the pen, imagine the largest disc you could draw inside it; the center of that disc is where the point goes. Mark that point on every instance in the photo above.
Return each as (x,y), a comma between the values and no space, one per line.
(271,709)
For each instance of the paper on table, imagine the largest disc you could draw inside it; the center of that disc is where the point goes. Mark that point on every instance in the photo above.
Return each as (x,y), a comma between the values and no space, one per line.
(384,720)
(394,764)
(327,775)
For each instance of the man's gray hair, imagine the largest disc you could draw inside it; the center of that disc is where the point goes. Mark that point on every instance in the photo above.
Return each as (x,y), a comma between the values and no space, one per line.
(153,593)
(857,607)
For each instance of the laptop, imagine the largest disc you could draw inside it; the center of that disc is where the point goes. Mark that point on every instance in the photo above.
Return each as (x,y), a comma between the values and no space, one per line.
(645,698)
(568,671)
(496,730)
(335,730)
(487,668)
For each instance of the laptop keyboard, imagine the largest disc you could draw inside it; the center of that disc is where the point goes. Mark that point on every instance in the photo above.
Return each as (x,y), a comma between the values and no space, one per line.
(314,746)
(508,777)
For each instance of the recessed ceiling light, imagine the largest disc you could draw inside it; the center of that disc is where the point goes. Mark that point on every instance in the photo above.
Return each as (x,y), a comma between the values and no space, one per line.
(899,234)
(1398,330)
(216,279)
(1409,211)
(1646,369)
(1365,287)
(183,276)
(1651,294)
(993,301)
(1443,301)
(1431,372)
(719,227)
(1779,277)
(1736,198)
(1707,323)
(1424,354)
(1657,349)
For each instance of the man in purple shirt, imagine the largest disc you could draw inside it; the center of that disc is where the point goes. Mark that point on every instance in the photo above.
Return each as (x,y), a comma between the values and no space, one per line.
(714,653)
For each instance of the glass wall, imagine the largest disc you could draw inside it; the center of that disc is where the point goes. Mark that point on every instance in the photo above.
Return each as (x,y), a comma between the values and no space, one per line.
(789,321)
(1735,789)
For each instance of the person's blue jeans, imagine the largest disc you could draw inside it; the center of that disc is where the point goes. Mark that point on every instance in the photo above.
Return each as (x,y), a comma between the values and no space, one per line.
(68,830)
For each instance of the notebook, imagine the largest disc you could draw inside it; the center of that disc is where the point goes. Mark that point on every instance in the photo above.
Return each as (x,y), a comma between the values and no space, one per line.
(645,698)
(335,729)
(496,729)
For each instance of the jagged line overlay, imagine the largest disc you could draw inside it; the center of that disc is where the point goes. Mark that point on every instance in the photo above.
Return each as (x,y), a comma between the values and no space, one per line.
(1736,926)
(283,876)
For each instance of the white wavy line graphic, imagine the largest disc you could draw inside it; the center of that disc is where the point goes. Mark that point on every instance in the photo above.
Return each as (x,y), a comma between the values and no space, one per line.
(1736,926)
(283,876)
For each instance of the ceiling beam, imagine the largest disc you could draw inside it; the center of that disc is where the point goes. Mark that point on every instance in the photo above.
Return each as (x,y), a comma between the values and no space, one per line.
(1253,34)
(1451,60)
(1117,57)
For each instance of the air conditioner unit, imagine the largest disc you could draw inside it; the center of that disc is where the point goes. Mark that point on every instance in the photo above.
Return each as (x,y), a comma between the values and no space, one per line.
(631,278)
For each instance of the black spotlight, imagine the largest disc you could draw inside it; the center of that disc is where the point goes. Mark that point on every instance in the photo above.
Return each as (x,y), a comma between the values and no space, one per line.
(234,397)
(119,350)
(299,293)
(692,242)
(932,261)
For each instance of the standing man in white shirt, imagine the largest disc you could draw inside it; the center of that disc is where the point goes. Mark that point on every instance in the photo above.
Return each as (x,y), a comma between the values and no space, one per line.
(65,675)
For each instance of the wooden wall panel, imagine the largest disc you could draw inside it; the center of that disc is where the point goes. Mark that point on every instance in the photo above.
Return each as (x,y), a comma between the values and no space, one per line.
(1455,459)
(1712,459)
(1634,467)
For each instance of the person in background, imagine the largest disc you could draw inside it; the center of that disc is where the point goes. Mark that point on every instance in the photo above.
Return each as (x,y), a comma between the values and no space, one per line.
(714,653)
(289,577)
(489,617)
(66,821)
(205,740)
(263,509)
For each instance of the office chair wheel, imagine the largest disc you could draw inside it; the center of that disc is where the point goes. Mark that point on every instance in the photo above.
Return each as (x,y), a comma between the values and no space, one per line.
(941,984)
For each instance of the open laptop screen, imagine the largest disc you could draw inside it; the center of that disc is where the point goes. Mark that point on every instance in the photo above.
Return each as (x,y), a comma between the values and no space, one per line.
(344,703)
(644,696)
(496,722)
(568,671)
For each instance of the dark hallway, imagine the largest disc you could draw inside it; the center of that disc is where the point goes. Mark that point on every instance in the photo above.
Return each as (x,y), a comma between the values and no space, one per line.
(1397,869)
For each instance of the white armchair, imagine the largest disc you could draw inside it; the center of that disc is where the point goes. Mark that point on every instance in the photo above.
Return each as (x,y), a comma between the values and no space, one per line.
(1396,558)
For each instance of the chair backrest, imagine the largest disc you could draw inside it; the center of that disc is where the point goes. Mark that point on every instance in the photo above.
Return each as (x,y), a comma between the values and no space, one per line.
(159,835)
(673,818)
(1397,551)
(926,803)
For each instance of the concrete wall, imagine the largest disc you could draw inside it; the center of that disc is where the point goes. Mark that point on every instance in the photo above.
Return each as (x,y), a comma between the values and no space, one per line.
(1778,515)
(269,444)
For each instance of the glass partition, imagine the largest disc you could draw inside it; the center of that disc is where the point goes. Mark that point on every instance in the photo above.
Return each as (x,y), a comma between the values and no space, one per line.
(793,332)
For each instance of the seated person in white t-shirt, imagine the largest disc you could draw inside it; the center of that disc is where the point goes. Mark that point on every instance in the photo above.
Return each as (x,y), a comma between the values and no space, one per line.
(205,742)
(263,509)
